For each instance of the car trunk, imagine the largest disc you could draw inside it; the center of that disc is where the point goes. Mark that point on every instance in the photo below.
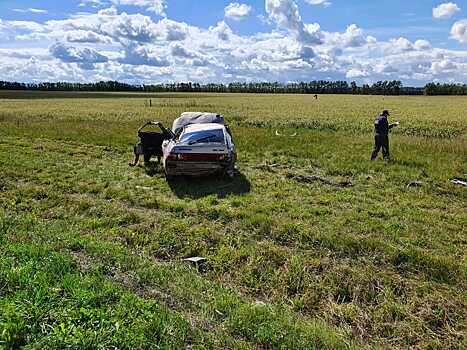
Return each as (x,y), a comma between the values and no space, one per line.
(197,159)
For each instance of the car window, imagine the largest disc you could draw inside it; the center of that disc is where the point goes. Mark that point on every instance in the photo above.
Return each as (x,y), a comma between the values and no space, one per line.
(204,136)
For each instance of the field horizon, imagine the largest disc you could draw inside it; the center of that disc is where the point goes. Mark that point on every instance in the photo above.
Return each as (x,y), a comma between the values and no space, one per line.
(310,246)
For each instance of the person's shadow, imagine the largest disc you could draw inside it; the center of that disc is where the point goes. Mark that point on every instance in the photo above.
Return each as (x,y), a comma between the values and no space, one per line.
(198,187)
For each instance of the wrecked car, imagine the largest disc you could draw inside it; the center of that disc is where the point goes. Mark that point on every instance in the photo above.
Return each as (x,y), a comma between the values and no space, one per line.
(198,144)
(202,145)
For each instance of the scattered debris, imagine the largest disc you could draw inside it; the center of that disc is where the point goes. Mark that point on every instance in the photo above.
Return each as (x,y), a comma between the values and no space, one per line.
(279,134)
(218,312)
(198,262)
(195,259)
(415,184)
(144,188)
(457,181)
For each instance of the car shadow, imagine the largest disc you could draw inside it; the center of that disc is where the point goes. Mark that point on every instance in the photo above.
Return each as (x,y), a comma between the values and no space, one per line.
(153,168)
(199,187)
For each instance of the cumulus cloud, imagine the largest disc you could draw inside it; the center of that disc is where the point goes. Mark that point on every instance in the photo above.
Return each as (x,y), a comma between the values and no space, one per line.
(443,66)
(356,73)
(352,37)
(178,50)
(286,15)
(141,55)
(401,45)
(86,36)
(132,27)
(446,10)
(237,11)
(174,31)
(124,27)
(156,6)
(84,57)
(459,31)
(222,31)
(324,3)
(422,44)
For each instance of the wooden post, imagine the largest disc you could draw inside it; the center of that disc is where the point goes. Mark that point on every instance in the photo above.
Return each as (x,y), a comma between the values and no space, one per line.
(150,103)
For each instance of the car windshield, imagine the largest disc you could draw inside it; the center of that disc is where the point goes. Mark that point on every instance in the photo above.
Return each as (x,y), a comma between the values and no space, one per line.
(203,136)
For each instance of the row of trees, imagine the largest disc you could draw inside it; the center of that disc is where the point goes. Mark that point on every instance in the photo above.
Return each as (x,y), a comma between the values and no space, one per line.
(445,89)
(394,87)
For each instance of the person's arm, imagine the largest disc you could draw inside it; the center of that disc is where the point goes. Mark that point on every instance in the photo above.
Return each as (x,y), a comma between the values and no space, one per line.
(393,125)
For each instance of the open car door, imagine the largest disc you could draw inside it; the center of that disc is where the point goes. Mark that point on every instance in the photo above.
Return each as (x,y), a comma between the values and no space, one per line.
(150,142)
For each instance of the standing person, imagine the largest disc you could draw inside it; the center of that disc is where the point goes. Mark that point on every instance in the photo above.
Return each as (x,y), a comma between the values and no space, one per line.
(382,128)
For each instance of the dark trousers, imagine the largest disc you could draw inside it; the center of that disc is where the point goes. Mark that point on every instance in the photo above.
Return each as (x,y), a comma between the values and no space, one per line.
(381,141)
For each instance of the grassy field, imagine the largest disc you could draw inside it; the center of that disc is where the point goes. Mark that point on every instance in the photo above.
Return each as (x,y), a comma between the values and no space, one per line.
(311,246)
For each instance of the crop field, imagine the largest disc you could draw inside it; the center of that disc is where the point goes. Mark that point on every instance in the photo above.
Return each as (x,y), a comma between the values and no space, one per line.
(310,246)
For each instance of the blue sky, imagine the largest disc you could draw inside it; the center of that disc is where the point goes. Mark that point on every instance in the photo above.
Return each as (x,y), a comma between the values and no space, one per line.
(154,41)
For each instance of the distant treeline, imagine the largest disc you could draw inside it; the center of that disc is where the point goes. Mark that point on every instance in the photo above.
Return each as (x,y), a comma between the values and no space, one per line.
(314,87)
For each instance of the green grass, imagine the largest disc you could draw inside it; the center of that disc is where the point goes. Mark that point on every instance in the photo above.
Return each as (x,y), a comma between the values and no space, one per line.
(91,249)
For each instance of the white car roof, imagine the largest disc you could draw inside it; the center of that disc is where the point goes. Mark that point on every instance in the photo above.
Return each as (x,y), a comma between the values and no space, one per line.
(201,127)
(188,118)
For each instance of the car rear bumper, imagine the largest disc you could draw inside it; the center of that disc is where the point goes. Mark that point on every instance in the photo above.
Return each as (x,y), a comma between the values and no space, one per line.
(174,168)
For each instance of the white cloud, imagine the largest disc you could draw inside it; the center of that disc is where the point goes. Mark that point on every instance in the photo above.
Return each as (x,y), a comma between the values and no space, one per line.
(356,73)
(222,31)
(85,57)
(422,44)
(123,27)
(156,6)
(178,50)
(30,10)
(443,66)
(92,3)
(446,10)
(324,3)
(174,31)
(286,15)
(352,37)
(401,45)
(86,36)
(141,55)
(24,25)
(237,11)
(459,31)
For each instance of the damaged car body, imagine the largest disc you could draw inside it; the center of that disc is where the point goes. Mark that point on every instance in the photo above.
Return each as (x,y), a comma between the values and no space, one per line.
(202,145)
(198,144)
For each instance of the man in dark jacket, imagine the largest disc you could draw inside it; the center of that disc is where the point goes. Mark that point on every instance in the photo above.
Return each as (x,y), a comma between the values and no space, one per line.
(382,128)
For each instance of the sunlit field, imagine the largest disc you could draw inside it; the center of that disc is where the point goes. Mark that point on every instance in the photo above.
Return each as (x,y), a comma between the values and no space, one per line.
(311,245)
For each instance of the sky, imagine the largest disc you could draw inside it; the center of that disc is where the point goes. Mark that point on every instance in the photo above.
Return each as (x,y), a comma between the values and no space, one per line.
(165,41)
